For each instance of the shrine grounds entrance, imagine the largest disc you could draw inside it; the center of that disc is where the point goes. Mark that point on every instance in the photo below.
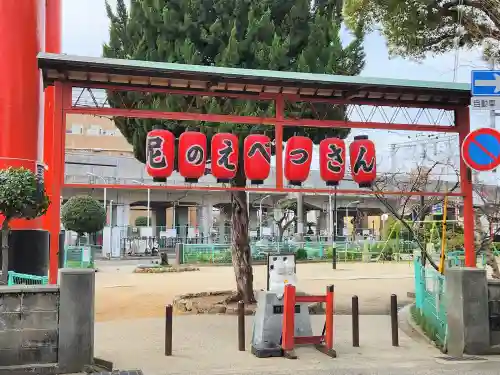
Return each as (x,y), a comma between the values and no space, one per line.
(425,106)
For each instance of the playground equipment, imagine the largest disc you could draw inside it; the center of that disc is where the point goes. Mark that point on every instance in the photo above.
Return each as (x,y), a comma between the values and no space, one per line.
(443,237)
(282,317)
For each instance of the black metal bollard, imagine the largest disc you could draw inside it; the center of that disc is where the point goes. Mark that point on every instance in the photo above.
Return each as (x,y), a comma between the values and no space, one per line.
(241,326)
(355,321)
(168,330)
(394,320)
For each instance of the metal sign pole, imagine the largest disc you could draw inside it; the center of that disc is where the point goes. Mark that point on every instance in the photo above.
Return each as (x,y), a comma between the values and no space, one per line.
(334,236)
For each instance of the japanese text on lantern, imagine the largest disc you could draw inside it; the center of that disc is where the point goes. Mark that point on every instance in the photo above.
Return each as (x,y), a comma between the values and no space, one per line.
(298,157)
(363,161)
(192,155)
(332,160)
(160,147)
(257,158)
(224,157)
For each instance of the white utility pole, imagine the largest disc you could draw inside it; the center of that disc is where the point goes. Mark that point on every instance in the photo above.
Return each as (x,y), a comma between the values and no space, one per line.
(493,113)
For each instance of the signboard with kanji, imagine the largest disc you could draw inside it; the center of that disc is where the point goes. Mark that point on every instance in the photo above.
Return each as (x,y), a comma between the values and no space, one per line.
(486,103)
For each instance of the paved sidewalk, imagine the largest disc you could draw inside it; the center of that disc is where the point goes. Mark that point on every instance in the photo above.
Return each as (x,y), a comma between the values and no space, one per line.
(207,344)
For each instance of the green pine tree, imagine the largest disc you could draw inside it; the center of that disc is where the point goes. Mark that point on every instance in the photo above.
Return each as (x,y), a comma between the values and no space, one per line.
(285,35)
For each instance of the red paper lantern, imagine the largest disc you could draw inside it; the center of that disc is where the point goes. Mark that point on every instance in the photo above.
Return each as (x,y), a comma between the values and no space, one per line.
(332,160)
(224,156)
(298,157)
(160,156)
(192,155)
(257,156)
(363,161)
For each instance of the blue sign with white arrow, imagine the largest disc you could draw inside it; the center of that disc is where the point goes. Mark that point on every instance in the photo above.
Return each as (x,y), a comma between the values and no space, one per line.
(485,83)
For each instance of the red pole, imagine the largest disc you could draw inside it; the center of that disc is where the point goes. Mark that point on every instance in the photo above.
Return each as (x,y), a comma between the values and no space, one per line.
(278,135)
(287,338)
(462,121)
(21,30)
(329,317)
(51,221)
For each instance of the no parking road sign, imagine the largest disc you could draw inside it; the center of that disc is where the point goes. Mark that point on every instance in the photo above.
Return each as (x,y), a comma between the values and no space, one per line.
(481,149)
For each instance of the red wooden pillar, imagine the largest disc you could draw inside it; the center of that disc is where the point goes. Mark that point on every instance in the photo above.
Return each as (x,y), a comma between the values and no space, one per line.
(62,99)
(53,183)
(329,316)
(278,136)
(288,328)
(462,122)
(22,37)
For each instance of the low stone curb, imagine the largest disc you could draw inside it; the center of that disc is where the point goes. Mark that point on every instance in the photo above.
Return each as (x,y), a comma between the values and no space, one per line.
(172,269)
(411,328)
(184,304)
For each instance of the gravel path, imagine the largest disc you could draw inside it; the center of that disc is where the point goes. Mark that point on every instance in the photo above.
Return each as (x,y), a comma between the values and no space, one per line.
(121,294)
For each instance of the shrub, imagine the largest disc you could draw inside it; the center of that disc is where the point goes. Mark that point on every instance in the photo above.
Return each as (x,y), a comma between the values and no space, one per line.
(301,254)
(22,196)
(83,214)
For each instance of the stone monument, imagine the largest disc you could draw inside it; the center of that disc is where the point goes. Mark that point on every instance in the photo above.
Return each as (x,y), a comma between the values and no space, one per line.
(266,339)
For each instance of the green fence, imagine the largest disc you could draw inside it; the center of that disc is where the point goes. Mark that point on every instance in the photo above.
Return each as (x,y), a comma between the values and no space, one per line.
(78,257)
(457,259)
(430,309)
(25,279)
(368,251)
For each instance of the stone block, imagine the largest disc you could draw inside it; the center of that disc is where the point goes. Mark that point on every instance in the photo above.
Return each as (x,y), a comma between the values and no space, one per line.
(467,311)
(40,301)
(35,338)
(40,320)
(10,302)
(10,339)
(42,354)
(10,320)
(76,319)
(268,323)
(10,357)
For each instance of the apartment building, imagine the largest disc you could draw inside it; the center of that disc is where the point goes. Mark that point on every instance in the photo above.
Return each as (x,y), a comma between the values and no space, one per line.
(95,134)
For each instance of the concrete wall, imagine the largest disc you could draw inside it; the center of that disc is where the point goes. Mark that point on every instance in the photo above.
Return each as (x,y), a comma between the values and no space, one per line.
(48,325)
(29,328)
(494,311)
(473,312)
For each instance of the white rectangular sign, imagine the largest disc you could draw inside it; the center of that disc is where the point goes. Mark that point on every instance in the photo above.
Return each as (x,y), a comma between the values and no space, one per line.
(485,103)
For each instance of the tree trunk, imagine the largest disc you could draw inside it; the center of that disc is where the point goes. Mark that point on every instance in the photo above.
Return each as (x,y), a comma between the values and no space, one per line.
(484,244)
(5,252)
(240,247)
(281,232)
(491,261)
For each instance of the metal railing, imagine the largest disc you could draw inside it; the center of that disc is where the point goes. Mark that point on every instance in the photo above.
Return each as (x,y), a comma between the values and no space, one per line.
(430,308)
(16,278)
(366,251)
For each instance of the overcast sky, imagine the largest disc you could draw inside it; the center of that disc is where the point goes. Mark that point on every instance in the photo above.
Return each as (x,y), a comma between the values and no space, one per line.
(85,29)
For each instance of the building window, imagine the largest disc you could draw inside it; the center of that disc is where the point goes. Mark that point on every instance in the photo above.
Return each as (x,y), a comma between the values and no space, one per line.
(94,130)
(76,129)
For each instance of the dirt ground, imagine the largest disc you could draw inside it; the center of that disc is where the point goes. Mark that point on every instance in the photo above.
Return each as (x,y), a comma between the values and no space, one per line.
(121,294)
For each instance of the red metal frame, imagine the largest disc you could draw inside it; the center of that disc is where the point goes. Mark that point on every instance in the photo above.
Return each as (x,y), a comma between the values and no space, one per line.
(261,189)
(288,338)
(64,106)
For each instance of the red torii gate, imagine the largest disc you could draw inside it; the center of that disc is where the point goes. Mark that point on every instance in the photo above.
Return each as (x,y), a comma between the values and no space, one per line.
(67,73)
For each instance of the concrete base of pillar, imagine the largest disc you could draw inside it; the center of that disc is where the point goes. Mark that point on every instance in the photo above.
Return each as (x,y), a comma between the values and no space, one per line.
(467,311)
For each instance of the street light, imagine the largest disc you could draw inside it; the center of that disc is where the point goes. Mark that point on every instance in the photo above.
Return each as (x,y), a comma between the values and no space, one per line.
(260,214)
(105,189)
(149,201)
